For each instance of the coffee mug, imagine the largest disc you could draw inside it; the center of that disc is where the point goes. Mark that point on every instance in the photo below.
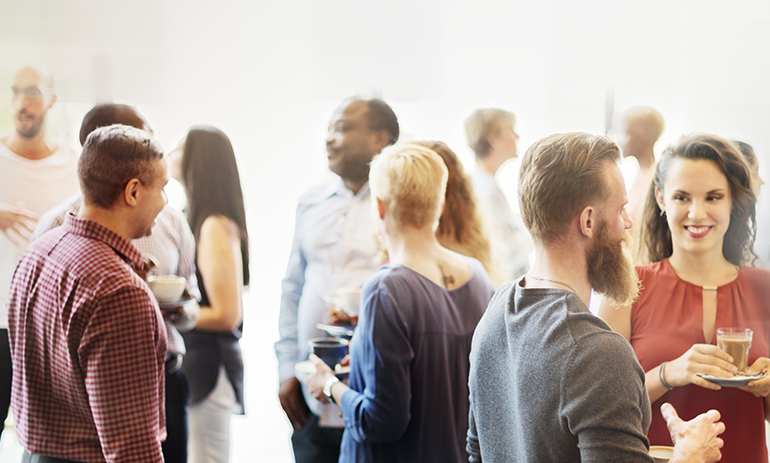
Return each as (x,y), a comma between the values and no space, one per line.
(661,453)
(737,343)
(330,350)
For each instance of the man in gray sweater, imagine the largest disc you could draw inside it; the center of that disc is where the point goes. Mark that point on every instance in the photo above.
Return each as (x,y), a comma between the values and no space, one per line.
(549,382)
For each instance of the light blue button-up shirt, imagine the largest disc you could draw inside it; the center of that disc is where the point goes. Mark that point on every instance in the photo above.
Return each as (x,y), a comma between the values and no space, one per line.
(334,247)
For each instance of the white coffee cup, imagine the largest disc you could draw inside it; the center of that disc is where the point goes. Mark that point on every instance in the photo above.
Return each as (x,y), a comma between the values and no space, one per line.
(167,288)
(661,453)
(349,300)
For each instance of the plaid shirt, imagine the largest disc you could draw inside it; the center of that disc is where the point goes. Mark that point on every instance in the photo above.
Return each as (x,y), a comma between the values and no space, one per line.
(88,349)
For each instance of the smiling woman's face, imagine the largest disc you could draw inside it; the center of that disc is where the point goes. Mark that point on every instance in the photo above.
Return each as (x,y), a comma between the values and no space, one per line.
(697,201)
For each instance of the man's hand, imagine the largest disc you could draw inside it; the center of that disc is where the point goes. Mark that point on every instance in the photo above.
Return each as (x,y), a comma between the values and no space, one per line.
(292,402)
(695,441)
(18,224)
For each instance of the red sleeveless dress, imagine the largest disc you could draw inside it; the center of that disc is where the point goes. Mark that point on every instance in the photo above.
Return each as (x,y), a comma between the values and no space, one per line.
(668,319)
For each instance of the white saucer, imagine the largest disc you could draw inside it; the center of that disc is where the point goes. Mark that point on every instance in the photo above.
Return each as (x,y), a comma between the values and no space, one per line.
(735,381)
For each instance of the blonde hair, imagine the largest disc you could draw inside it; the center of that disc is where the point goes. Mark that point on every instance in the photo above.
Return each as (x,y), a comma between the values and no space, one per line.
(411,181)
(481,125)
(648,120)
(559,176)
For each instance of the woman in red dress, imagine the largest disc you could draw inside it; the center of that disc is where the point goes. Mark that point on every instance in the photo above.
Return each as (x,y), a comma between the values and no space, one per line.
(699,230)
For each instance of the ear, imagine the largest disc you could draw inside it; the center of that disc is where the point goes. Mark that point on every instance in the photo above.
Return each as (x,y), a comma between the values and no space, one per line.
(659,199)
(380,140)
(380,208)
(131,192)
(589,221)
(52,101)
(494,142)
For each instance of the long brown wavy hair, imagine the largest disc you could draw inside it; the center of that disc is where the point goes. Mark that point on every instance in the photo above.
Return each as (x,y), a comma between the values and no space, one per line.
(738,245)
(460,227)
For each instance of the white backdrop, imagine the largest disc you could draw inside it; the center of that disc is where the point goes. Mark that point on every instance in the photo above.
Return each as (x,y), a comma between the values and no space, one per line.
(270,73)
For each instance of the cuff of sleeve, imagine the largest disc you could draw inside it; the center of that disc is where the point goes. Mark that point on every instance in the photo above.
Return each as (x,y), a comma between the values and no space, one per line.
(188,318)
(285,371)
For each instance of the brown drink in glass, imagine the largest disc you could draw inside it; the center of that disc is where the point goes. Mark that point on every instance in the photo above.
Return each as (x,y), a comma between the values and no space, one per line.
(737,343)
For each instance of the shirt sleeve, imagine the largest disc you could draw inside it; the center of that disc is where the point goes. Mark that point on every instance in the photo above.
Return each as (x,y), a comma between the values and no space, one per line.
(286,348)
(604,400)
(381,412)
(122,356)
(186,247)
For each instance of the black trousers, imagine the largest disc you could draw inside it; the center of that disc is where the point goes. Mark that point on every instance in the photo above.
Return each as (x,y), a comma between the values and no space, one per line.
(177,407)
(5,377)
(314,444)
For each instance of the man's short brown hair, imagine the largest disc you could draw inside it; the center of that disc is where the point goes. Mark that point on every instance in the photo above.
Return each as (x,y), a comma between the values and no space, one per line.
(560,175)
(483,124)
(111,157)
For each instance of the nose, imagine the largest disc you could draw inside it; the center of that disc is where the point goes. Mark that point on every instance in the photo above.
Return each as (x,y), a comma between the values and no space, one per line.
(330,137)
(627,220)
(696,211)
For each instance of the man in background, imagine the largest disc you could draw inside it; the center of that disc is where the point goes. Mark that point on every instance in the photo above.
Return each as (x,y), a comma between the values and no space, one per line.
(333,248)
(639,129)
(36,173)
(87,339)
(492,137)
(172,248)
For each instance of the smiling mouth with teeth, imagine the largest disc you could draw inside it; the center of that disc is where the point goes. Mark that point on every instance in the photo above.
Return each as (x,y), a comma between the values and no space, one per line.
(697,229)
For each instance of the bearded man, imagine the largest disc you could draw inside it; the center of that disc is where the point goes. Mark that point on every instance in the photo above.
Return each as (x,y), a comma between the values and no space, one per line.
(36,174)
(549,382)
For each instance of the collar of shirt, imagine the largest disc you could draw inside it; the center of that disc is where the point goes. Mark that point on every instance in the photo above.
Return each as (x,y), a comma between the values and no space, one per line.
(340,189)
(90,229)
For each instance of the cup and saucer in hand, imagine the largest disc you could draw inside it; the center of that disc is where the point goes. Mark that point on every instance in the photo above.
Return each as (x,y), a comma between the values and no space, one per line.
(170,291)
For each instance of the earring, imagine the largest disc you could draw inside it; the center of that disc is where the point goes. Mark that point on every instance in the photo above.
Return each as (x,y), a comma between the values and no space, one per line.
(663,214)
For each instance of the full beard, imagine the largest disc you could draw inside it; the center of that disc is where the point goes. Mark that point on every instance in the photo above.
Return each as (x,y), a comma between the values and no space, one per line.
(610,268)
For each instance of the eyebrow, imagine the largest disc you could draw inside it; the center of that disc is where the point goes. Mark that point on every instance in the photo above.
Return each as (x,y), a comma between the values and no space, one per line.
(718,190)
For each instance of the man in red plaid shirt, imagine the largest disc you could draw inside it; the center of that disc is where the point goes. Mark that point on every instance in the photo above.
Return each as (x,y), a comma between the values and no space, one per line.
(87,340)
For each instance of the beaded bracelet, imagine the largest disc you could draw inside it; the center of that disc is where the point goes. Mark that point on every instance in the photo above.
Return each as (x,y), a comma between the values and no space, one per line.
(661,376)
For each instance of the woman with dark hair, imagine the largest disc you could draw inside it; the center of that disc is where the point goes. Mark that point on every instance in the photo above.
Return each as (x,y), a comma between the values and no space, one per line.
(751,158)
(699,231)
(460,227)
(205,164)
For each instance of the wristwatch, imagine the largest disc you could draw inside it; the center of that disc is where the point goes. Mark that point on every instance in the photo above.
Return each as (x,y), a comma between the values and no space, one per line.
(328,388)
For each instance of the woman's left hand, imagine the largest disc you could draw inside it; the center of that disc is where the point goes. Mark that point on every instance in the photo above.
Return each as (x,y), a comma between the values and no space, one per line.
(760,387)
(315,382)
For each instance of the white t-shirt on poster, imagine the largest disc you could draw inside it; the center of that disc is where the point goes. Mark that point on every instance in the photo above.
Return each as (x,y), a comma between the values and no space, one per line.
(38,184)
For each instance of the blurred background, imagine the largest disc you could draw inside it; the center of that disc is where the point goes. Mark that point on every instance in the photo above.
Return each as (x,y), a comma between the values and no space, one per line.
(269,74)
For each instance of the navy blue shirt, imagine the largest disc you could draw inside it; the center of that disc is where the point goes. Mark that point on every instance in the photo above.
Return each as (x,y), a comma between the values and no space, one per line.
(409,368)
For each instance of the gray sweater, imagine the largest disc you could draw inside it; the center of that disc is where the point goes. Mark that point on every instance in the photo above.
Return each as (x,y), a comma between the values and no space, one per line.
(549,382)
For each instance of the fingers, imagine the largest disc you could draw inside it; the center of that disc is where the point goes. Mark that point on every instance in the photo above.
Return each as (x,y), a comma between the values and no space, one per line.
(669,413)
(18,240)
(320,365)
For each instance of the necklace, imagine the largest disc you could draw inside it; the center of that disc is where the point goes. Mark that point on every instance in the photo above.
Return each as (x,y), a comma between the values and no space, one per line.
(553,280)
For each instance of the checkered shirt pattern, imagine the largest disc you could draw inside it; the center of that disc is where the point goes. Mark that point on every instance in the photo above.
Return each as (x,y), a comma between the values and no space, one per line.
(88,348)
